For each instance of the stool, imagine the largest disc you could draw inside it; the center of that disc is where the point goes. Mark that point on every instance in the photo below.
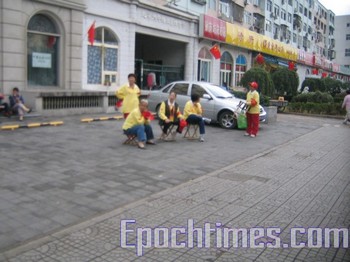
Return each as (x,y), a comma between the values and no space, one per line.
(130,140)
(191,131)
(168,133)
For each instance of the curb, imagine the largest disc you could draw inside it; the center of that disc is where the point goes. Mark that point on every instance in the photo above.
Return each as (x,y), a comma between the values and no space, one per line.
(30,125)
(104,118)
(313,115)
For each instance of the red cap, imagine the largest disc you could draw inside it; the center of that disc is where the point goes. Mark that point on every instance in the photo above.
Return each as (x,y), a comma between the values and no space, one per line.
(254,85)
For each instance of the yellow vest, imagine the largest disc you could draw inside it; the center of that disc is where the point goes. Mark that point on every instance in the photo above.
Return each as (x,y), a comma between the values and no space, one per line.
(253,109)
(134,118)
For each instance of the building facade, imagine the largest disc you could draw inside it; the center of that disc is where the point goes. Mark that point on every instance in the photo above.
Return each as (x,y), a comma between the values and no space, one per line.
(46,52)
(342,45)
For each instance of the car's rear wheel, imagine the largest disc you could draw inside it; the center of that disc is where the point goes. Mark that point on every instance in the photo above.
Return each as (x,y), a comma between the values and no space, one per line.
(227,120)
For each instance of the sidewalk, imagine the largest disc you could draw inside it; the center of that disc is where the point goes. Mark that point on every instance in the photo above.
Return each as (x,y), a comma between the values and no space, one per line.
(302,183)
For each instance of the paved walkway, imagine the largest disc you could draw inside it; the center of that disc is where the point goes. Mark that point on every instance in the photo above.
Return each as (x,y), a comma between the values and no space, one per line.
(301,183)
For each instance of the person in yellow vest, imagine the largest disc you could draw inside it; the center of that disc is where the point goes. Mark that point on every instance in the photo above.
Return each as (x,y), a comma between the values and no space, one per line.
(138,123)
(169,114)
(129,93)
(193,114)
(253,101)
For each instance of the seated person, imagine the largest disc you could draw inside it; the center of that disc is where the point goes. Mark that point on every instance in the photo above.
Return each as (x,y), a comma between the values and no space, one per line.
(193,114)
(138,124)
(169,114)
(17,104)
(4,107)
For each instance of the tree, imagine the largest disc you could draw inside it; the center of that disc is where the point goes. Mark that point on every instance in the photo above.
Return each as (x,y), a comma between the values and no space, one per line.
(286,81)
(332,86)
(314,84)
(262,77)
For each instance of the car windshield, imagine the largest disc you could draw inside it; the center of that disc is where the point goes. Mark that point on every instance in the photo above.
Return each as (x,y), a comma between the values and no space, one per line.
(217,91)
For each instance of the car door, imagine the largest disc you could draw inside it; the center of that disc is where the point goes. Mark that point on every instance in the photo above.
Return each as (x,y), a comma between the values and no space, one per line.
(181,90)
(208,105)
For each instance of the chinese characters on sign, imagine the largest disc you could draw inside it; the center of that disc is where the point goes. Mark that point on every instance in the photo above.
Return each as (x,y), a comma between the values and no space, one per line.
(41,60)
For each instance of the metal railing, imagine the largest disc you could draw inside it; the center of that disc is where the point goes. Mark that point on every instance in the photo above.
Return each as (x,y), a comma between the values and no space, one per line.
(68,102)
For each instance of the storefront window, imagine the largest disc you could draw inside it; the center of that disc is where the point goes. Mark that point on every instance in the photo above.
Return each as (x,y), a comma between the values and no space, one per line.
(102,58)
(42,51)
(204,65)
(241,67)
(226,68)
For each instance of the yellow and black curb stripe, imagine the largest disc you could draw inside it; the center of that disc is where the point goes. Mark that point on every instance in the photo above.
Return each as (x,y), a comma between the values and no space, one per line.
(105,118)
(31,125)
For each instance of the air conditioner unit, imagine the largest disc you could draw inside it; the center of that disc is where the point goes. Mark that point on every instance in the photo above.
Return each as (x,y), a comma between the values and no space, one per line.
(200,2)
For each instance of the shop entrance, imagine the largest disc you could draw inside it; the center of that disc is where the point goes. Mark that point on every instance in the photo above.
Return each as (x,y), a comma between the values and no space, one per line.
(159,61)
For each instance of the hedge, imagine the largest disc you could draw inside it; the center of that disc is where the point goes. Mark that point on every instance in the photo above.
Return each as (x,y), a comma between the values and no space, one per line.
(314,97)
(264,100)
(316,108)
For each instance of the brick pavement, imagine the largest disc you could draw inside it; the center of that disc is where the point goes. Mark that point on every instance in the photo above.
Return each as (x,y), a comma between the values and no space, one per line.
(304,183)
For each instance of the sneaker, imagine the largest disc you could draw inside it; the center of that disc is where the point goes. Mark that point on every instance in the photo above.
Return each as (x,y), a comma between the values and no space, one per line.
(247,134)
(207,120)
(252,135)
(201,139)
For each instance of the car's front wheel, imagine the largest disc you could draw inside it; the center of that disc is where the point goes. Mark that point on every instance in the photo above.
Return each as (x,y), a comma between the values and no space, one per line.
(227,120)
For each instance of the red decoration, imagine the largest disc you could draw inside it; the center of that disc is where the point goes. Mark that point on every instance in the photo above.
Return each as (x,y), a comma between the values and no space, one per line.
(260,59)
(119,103)
(253,102)
(51,41)
(215,51)
(315,71)
(148,115)
(291,65)
(91,33)
(324,74)
(182,125)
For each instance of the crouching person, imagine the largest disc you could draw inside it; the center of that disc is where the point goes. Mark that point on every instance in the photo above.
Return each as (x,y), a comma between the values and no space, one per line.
(137,123)
(17,104)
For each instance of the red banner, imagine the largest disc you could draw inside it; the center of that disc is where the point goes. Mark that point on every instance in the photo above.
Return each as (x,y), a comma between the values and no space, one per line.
(214,28)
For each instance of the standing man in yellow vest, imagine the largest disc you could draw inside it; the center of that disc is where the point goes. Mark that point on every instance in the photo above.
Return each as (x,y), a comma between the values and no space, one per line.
(253,101)
(129,93)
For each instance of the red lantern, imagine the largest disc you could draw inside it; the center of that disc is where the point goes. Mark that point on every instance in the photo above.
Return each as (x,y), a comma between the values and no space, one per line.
(291,65)
(259,59)
(315,71)
(215,51)
(324,75)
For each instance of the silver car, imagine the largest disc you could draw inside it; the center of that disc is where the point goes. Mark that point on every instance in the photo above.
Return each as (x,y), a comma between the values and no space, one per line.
(218,104)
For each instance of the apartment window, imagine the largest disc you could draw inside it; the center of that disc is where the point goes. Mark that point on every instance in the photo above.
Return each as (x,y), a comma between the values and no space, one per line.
(305,12)
(310,16)
(275,31)
(224,9)
(294,38)
(347,37)
(276,11)
(301,8)
(304,27)
(268,26)
(289,19)
(348,25)
(269,5)
(290,2)
(247,18)
(212,4)
(283,14)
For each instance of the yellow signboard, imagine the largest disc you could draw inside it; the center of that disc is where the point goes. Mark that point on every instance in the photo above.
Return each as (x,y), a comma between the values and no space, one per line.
(242,37)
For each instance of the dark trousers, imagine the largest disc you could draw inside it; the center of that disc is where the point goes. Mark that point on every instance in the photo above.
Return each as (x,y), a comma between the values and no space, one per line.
(166,126)
(197,120)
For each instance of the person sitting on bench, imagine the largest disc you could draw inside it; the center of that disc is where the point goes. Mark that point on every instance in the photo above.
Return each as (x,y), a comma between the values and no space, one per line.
(169,114)
(193,114)
(137,123)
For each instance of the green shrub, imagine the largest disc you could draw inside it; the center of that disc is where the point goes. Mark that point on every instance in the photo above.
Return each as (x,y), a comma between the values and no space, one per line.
(338,98)
(264,100)
(316,108)
(262,77)
(286,81)
(239,94)
(314,97)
